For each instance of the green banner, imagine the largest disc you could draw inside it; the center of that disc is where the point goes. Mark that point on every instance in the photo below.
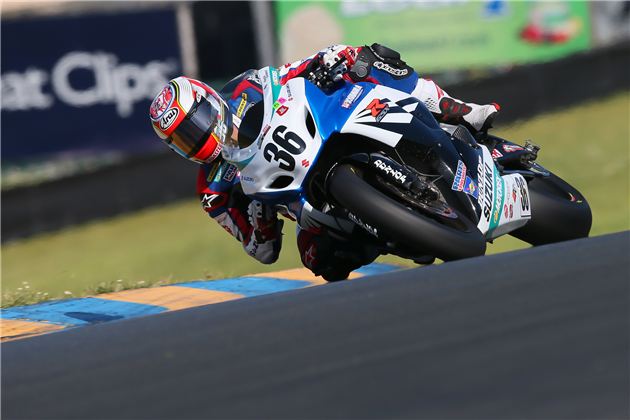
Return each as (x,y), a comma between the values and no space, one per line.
(439,35)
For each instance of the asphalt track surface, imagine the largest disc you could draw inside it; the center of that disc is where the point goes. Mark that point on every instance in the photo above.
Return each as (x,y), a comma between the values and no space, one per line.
(539,333)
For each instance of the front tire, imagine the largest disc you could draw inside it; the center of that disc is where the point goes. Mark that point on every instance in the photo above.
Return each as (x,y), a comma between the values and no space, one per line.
(414,230)
(559,213)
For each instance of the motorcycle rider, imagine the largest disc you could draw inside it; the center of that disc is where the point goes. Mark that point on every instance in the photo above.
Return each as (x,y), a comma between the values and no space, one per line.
(194,120)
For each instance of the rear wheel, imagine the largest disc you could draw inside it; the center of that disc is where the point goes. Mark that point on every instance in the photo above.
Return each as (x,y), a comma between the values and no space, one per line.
(559,213)
(399,222)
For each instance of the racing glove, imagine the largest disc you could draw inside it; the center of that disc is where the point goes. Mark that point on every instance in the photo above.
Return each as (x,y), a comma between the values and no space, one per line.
(264,221)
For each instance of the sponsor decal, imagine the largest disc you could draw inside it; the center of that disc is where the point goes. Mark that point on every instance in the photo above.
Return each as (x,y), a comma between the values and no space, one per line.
(485,188)
(352,96)
(169,118)
(506,211)
(364,225)
(282,110)
(276,105)
(309,256)
(215,153)
(305,163)
(391,70)
(161,103)
(511,211)
(460,177)
(289,94)
(230,173)
(377,109)
(219,173)
(399,176)
(511,148)
(213,200)
(496,154)
(248,179)
(470,188)
(514,195)
(262,135)
(274,76)
(241,106)
(213,172)
(281,100)
(498,199)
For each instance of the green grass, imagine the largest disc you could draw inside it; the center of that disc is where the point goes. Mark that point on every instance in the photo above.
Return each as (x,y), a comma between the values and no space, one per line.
(588,145)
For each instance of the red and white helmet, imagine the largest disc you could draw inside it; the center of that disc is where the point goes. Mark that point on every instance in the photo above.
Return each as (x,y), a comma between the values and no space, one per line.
(191,118)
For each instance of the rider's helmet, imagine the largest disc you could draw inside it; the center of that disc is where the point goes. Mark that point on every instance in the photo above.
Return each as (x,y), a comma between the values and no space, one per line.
(191,118)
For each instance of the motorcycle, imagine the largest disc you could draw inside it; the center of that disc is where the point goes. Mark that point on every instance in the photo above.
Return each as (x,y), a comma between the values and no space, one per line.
(371,163)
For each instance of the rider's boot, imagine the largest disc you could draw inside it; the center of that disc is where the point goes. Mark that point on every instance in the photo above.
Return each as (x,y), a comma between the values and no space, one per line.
(449,110)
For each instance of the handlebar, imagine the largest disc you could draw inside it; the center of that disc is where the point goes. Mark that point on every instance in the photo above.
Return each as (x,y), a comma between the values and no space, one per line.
(323,76)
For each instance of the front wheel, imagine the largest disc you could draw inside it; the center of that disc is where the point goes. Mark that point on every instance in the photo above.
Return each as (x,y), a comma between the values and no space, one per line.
(559,213)
(394,220)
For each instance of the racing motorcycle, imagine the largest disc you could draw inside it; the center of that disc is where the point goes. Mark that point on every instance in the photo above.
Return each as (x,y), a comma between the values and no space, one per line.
(371,163)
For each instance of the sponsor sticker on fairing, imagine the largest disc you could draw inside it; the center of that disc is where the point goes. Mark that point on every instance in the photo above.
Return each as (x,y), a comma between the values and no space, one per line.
(486,184)
(498,197)
(288,91)
(378,108)
(352,96)
(460,177)
(470,188)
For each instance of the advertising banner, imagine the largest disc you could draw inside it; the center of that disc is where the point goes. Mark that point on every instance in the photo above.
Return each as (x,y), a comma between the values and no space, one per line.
(82,84)
(434,36)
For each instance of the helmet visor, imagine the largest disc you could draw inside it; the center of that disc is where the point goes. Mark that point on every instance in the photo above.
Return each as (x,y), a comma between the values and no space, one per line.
(204,118)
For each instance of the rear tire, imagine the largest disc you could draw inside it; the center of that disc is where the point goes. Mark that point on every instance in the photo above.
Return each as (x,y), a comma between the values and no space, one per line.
(559,213)
(416,231)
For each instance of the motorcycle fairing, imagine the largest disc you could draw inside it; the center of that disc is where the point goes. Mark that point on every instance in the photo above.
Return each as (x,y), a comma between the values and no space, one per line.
(272,174)
(504,200)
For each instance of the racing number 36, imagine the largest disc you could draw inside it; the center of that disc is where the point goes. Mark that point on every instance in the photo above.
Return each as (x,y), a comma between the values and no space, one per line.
(290,144)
